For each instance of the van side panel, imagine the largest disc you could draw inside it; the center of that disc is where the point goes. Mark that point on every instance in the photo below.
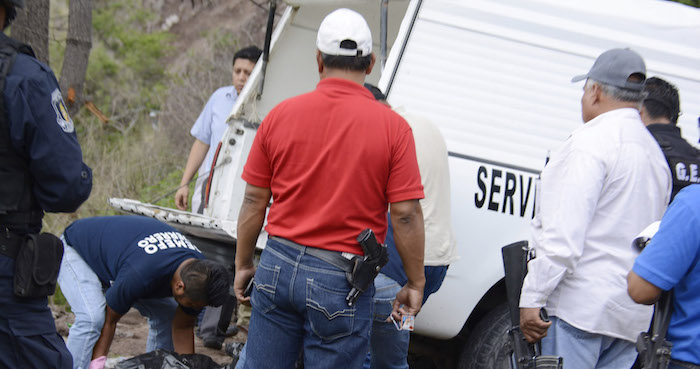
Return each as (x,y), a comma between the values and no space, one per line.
(495,78)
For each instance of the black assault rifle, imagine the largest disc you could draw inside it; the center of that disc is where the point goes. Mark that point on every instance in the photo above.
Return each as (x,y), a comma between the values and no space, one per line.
(654,350)
(525,355)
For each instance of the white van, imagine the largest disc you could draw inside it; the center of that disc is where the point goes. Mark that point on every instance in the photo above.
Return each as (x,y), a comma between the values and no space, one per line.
(494,76)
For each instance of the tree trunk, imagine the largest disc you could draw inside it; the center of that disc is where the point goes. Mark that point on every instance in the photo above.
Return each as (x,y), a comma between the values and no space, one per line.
(32,27)
(75,60)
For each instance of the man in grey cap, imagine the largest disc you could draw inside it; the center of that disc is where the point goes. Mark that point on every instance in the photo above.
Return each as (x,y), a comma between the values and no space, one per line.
(607,182)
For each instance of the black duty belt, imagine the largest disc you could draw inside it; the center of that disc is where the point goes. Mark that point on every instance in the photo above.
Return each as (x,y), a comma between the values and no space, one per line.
(341,260)
(685,364)
(22,218)
(10,243)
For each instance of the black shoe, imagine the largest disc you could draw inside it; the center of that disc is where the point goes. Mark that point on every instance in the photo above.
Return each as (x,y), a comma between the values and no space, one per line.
(213,343)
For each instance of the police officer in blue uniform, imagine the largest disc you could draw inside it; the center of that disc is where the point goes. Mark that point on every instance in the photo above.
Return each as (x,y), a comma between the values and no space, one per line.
(41,169)
(660,113)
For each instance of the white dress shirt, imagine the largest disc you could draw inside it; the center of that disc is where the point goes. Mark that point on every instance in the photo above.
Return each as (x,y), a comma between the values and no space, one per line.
(599,190)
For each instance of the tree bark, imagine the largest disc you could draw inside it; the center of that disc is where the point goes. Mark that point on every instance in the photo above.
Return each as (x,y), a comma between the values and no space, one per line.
(75,60)
(32,27)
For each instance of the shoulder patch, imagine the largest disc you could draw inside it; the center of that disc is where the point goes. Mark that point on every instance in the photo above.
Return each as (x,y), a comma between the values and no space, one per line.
(62,117)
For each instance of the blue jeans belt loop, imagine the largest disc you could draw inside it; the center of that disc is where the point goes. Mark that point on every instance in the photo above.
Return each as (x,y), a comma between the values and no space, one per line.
(334,258)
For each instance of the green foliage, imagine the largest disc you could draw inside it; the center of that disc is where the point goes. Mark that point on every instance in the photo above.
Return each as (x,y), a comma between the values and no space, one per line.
(126,76)
(695,3)
(156,193)
(135,155)
(59,299)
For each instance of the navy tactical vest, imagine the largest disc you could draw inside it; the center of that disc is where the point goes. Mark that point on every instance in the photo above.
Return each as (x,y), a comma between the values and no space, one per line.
(18,207)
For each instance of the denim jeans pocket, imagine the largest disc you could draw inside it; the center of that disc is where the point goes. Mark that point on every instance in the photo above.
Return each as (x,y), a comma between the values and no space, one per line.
(382,309)
(265,286)
(329,314)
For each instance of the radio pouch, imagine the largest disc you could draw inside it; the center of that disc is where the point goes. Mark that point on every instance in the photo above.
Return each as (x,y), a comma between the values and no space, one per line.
(37,265)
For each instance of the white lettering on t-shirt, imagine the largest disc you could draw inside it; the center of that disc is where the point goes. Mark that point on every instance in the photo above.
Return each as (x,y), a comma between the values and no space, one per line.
(693,173)
(687,174)
(164,240)
(681,172)
(148,246)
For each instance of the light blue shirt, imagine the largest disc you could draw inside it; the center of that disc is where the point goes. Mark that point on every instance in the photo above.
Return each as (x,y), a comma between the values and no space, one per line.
(211,124)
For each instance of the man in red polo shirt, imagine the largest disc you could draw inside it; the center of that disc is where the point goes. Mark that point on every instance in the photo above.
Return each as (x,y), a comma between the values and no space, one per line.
(332,160)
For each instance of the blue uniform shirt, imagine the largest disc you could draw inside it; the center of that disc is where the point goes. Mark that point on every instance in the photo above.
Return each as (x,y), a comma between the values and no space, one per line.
(211,123)
(41,129)
(136,255)
(671,261)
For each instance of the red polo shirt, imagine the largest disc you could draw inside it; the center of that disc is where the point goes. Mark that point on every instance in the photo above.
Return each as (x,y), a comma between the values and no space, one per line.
(333,159)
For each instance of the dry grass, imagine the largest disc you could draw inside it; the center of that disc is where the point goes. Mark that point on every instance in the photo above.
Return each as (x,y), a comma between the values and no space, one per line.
(146,161)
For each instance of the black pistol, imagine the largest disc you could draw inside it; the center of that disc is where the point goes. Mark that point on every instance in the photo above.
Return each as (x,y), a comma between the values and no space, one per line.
(525,355)
(366,268)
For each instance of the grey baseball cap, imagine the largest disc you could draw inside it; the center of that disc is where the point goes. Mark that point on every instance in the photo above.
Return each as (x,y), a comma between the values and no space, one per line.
(615,67)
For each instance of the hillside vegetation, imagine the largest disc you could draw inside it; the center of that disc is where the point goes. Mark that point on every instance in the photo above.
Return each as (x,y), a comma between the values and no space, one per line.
(152,84)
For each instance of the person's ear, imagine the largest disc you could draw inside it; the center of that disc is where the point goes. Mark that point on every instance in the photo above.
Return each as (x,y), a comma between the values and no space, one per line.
(180,287)
(371,64)
(596,94)
(319,62)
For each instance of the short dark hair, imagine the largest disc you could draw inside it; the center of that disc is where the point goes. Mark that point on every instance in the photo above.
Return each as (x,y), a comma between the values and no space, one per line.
(206,281)
(376,92)
(11,9)
(662,100)
(353,63)
(251,53)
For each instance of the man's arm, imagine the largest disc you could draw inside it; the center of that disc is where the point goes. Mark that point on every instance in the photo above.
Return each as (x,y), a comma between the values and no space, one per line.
(183,332)
(250,222)
(62,181)
(105,341)
(640,290)
(409,235)
(194,161)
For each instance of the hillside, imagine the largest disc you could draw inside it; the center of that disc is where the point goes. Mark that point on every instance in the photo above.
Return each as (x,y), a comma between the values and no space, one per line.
(153,66)
(191,21)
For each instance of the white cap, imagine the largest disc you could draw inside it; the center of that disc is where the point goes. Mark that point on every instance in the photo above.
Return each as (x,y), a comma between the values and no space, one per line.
(341,25)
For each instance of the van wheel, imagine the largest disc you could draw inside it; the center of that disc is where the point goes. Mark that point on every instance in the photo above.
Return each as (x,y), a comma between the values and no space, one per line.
(488,346)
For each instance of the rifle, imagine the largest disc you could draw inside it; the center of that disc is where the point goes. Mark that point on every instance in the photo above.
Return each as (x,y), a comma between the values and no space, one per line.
(653,348)
(525,355)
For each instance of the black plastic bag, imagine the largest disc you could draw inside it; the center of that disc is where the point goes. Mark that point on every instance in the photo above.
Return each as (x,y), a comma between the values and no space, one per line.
(162,359)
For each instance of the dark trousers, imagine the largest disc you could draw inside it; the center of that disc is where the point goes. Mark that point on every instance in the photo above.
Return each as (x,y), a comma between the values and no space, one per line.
(28,337)
(216,320)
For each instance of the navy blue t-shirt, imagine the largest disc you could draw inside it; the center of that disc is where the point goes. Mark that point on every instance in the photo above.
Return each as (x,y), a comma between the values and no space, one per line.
(137,255)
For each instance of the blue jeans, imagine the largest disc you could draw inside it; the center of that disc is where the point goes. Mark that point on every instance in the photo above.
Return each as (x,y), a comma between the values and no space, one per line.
(585,350)
(389,346)
(299,304)
(85,295)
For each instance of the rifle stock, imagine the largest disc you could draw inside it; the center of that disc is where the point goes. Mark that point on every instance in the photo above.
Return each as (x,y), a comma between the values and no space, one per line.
(525,354)
(653,348)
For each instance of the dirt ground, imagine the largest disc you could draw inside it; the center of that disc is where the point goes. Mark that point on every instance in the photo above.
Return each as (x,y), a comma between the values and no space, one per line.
(131,334)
